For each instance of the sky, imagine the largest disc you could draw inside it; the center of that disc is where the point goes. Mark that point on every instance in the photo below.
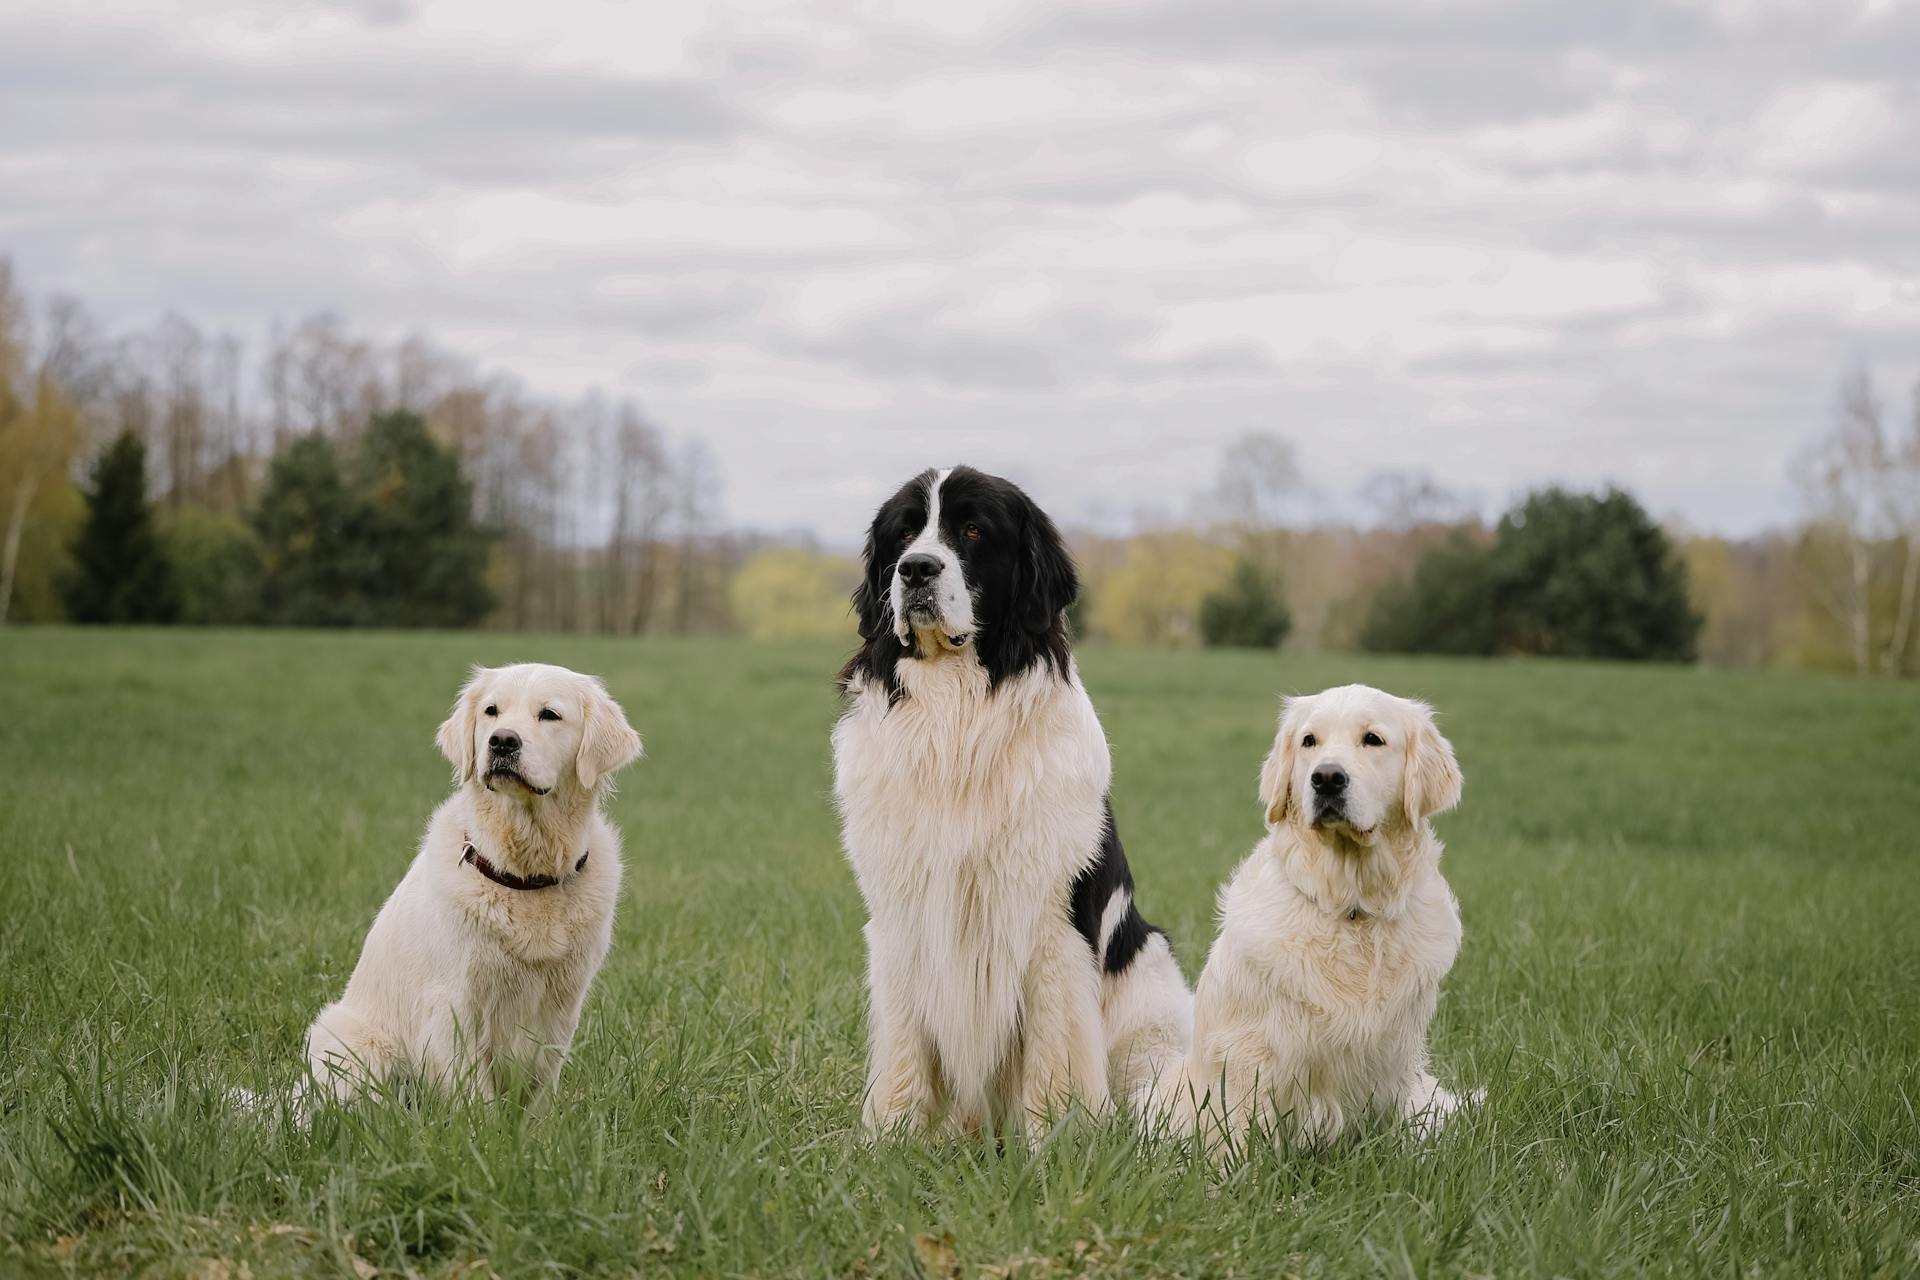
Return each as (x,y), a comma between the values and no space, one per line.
(1086,245)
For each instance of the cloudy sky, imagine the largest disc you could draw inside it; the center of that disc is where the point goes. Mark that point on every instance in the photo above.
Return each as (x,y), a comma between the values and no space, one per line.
(1086,244)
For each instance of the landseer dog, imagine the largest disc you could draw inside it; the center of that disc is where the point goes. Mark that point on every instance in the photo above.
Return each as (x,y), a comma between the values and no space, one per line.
(474,972)
(1312,1012)
(1009,972)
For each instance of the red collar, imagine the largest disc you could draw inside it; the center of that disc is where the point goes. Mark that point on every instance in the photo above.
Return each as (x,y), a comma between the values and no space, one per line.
(506,879)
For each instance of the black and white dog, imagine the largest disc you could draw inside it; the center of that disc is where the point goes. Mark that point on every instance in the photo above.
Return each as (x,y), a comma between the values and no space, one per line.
(1007,967)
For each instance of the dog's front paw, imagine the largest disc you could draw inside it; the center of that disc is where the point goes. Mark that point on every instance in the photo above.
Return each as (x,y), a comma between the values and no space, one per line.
(878,1122)
(1046,1107)
(1319,1122)
(1431,1105)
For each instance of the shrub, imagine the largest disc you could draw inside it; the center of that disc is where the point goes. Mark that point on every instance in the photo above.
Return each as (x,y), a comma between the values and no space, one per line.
(216,562)
(1247,613)
(1567,575)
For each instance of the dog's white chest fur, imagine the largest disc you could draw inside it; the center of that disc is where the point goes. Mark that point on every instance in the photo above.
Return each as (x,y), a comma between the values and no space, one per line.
(967,814)
(470,983)
(1355,976)
(1307,1015)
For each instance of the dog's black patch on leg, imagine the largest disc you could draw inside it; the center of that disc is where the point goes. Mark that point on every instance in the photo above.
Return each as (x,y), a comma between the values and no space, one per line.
(1105,876)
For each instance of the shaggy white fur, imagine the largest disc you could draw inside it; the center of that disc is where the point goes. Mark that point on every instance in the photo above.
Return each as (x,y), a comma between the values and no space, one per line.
(1312,1011)
(466,982)
(1008,971)
(967,816)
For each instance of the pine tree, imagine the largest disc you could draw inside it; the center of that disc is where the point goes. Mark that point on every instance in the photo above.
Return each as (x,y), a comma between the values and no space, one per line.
(308,521)
(426,558)
(120,571)
(384,537)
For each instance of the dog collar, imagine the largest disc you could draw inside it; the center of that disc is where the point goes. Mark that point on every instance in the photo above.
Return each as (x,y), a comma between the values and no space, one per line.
(506,879)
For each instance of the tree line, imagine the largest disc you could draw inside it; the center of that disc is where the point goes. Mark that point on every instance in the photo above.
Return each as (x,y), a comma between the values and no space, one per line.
(1562,574)
(584,516)
(340,481)
(385,537)
(1558,573)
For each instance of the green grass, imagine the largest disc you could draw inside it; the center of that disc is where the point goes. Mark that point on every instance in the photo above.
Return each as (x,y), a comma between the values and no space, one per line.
(1690,982)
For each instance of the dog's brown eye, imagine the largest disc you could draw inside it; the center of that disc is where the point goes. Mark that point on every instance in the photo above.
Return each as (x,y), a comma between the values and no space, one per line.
(973,533)
(548,713)
(1373,740)
(492,710)
(1309,741)
(908,536)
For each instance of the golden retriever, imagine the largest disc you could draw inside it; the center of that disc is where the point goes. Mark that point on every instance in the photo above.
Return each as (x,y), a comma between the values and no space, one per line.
(474,972)
(1312,1011)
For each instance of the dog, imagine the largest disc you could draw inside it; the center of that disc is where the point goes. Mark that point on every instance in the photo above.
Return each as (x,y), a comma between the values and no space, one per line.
(1009,972)
(1311,1013)
(474,973)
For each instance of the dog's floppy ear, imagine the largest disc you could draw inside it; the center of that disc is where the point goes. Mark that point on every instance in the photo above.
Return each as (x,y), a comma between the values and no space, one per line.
(872,603)
(1432,782)
(607,742)
(1276,775)
(455,737)
(1051,582)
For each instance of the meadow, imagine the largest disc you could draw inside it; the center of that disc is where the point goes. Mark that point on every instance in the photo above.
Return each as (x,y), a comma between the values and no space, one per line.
(1690,982)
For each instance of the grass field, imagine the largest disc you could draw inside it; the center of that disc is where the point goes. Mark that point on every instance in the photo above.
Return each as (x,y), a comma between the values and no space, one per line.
(1690,982)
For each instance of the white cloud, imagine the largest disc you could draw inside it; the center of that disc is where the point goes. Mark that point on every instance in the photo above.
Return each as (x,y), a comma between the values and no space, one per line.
(1814,127)
(1509,240)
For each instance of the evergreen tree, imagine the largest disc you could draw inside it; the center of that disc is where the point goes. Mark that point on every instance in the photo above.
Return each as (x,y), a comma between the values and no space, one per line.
(387,539)
(120,571)
(426,557)
(1445,607)
(1568,575)
(1583,576)
(313,569)
(1247,613)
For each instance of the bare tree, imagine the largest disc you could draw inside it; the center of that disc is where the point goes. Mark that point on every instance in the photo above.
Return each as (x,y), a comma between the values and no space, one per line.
(1843,481)
(72,354)
(331,381)
(183,415)
(419,374)
(603,525)
(40,426)
(230,482)
(14,423)
(637,466)
(536,495)
(695,509)
(1901,494)
(277,376)
(1402,501)
(1262,498)
(1261,486)
(133,402)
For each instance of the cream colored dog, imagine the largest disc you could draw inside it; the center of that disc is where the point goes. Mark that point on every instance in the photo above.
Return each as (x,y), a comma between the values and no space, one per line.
(474,972)
(1312,1011)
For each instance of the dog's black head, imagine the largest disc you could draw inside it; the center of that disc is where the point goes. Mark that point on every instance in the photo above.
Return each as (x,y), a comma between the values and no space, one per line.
(962,564)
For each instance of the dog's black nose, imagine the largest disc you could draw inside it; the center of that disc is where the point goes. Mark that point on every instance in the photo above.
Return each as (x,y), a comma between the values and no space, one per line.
(1329,780)
(919,569)
(504,742)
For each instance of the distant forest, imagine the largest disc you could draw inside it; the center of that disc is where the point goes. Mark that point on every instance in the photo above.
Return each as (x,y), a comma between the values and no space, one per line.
(334,480)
